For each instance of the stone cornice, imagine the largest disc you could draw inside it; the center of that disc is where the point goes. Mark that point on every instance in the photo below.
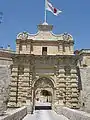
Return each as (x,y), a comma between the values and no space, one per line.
(46,56)
(31,59)
(45,33)
(28,41)
(18,41)
(84,52)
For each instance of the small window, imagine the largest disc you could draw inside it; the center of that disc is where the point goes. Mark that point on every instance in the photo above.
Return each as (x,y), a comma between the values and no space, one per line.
(44,50)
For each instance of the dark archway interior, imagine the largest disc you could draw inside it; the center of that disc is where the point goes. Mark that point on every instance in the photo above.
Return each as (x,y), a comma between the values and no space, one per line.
(46,93)
(43,92)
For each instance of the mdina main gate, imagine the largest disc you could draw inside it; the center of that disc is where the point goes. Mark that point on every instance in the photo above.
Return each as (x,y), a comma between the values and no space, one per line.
(43,93)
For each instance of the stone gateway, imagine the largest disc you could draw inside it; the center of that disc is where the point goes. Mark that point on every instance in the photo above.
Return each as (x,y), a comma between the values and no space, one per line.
(44,69)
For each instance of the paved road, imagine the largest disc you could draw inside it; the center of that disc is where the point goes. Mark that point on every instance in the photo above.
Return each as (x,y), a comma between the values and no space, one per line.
(45,115)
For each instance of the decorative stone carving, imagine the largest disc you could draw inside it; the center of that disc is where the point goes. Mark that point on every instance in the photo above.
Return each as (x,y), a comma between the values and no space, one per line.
(66,36)
(67,70)
(38,68)
(23,36)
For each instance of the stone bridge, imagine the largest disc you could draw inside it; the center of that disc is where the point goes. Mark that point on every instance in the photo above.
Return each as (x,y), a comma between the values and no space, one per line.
(45,115)
(44,111)
(59,113)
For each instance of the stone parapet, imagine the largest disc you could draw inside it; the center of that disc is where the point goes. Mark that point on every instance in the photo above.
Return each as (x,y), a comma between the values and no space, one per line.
(17,114)
(72,114)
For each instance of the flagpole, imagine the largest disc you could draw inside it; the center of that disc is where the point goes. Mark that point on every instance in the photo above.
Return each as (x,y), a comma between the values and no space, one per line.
(45,17)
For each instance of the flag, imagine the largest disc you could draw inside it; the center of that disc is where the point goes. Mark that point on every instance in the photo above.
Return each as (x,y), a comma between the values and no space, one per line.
(51,8)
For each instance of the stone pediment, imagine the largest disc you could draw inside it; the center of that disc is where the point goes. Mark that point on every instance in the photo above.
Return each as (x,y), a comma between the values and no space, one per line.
(45,33)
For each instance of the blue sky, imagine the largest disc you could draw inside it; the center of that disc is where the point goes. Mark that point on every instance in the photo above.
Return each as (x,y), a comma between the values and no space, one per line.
(25,15)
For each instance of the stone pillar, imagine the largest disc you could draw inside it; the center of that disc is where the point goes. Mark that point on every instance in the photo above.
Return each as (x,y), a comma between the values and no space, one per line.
(29,91)
(29,95)
(20,93)
(60,48)
(13,88)
(60,92)
(68,92)
(71,48)
(17,48)
(24,49)
(67,48)
(53,97)
(28,48)
(27,82)
(74,89)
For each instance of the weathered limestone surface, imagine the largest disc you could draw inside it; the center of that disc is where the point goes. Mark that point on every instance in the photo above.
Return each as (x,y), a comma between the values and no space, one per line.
(17,114)
(40,59)
(5,61)
(72,114)
(45,115)
(85,93)
(32,73)
(4,87)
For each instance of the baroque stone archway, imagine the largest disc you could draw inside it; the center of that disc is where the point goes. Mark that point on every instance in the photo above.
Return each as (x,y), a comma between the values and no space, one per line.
(43,91)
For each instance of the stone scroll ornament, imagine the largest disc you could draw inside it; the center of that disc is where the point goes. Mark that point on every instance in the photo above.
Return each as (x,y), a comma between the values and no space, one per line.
(23,35)
(66,36)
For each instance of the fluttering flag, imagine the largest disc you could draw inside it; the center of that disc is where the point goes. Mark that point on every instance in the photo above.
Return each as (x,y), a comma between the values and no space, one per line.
(51,8)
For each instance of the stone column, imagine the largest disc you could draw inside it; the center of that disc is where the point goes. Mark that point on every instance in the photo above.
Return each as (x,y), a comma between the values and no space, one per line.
(71,48)
(60,48)
(68,91)
(67,48)
(28,44)
(61,86)
(13,87)
(23,87)
(17,48)
(27,81)
(53,97)
(20,93)
(74,89)
(30,86)
(29,92)
(24,49)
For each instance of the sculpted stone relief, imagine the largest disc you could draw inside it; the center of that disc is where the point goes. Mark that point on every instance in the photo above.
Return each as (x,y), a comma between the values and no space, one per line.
(67,70)
(66,36)
(43,82)
(23,36)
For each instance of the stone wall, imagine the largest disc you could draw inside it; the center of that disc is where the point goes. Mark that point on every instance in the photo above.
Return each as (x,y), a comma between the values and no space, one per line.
(85,93)
(72,114)
(27,69)
(5,61)
(4,87)
(5,56)
(17,114)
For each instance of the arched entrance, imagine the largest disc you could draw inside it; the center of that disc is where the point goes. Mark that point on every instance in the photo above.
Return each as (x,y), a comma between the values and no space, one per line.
(43,92)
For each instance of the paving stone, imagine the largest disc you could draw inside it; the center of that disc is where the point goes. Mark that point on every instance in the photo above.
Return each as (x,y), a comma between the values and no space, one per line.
(45,115)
